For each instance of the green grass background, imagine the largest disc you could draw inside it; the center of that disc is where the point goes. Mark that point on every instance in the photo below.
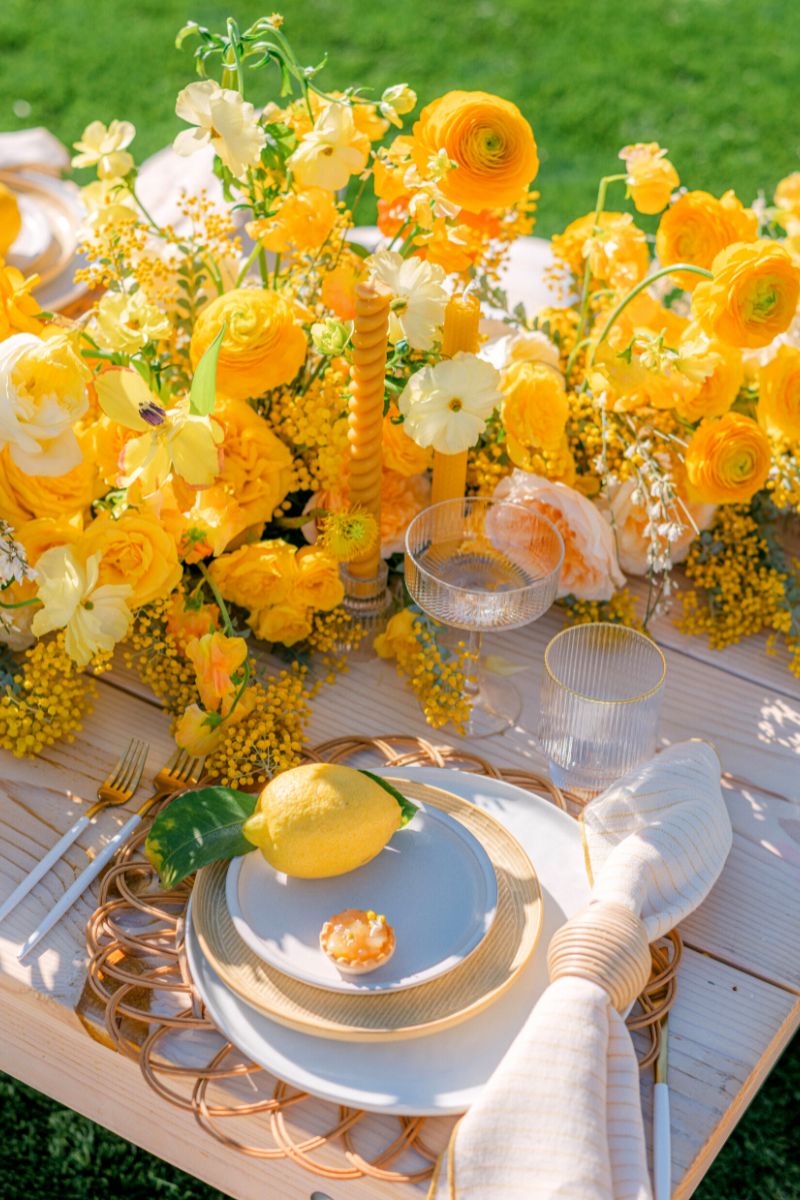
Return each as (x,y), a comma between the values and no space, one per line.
(716,81)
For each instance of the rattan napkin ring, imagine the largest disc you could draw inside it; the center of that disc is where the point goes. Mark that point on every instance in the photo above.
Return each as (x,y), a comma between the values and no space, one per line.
(607,944)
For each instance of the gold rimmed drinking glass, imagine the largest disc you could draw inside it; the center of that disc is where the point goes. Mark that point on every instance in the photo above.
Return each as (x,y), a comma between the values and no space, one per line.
(599,705)
(478,564)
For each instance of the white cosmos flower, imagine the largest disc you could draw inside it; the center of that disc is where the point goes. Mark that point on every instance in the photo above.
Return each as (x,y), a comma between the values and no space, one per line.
(418,297)
(446,405)
(331,152)
(104,147)
(222,120)
(95,618)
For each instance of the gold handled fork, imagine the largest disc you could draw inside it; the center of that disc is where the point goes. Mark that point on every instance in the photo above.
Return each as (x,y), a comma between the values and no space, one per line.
(180,772)
(117,788)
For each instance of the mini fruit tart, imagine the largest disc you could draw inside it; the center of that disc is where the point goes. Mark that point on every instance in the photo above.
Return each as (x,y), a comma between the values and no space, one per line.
(357,941)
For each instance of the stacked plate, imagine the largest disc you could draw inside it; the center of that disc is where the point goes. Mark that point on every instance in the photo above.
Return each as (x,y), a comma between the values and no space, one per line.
(423,1033)
(47,244)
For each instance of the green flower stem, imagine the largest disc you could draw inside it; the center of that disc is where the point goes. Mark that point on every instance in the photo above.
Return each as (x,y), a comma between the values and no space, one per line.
(254,253)
(229,630)
(149,217)
(587,273)
(21,603)
(640,287)
(232,74)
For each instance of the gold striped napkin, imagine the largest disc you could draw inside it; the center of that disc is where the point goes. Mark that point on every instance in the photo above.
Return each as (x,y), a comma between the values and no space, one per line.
(561,1117)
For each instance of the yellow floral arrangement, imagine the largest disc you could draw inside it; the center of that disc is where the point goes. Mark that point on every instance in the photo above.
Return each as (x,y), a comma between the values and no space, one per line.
(174,461)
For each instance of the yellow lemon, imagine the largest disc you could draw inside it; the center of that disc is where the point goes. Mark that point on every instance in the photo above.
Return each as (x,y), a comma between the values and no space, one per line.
(10,220)
(322,819)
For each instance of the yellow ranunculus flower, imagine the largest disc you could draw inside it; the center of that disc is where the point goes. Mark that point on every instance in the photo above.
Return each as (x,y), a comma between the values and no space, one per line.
(96,616)
(318,584)
(285,623)
(258,575)
(651,177)
(398,637)
(256,465)
(490,142)
(170,440)
(24,496)
(135,549)
(752,297)
(263,346)
(727,460)
(614,244)
(302,221)
(400,452)
(42,395)
(534,409)
(697,227)
(18,309)
(10,220)
(787,194)
(127,321)
(216,659)
(723,376)
(779,394)
(331,152)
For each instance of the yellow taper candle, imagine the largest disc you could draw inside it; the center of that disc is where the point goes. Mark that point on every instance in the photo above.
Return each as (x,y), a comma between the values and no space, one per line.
(370,335)
(461,320)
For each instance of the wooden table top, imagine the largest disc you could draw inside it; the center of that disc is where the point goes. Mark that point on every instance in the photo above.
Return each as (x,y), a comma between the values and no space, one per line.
(738,986)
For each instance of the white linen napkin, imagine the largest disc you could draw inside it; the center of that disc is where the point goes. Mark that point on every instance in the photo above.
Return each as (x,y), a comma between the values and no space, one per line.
(561,1117)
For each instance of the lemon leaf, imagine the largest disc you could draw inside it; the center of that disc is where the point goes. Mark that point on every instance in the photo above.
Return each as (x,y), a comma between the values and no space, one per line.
(203,392)
(407,808)
(196,829)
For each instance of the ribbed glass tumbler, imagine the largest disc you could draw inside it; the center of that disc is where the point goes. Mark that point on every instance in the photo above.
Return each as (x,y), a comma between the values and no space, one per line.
(482,565)
(599,705)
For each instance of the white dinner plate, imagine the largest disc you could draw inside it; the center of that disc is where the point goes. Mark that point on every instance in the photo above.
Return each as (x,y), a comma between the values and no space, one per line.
(442,1073)
(434,882)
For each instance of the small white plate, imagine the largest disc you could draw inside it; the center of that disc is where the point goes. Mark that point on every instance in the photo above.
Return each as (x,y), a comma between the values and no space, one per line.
(444,1072)
(434,883)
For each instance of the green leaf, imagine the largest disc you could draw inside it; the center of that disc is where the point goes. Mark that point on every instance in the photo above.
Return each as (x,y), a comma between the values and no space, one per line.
(199,828)
(408,809)
(203,394)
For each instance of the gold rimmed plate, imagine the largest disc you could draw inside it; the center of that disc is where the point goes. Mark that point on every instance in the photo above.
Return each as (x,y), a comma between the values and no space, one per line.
(464,991)
(47,244)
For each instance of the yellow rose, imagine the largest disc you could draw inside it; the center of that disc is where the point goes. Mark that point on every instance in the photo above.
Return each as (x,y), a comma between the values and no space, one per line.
(302,221)
(615,246)
(10,220)
(490,142)
(318,584)
(42,396)
(727,460)
(256,576)
(651,177)
(25,496)
(256,465)
(534,409)
(137,550)
(398,638)
(400,452)
(779,394)
(285,623)
(18,309)
(697,227)
(263,345)
(752,297)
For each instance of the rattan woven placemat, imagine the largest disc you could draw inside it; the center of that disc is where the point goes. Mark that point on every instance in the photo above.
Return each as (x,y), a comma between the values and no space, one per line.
(139,999)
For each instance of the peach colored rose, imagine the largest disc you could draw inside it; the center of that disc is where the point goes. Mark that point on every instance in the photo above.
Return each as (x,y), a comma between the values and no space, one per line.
(590,570)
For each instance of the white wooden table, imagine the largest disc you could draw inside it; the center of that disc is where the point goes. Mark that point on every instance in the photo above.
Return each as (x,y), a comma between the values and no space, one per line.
(739,983)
